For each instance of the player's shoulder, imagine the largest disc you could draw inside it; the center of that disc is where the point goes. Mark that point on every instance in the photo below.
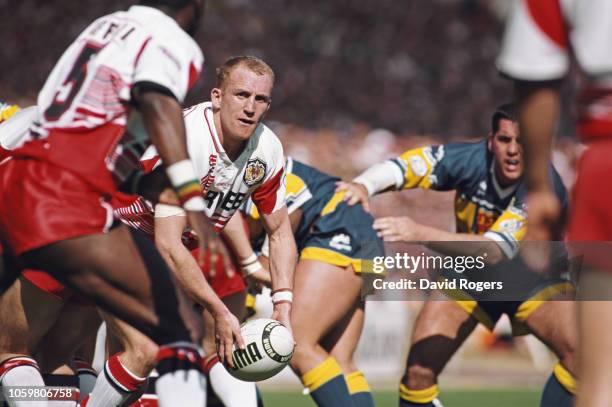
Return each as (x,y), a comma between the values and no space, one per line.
(165,31)
(464,158)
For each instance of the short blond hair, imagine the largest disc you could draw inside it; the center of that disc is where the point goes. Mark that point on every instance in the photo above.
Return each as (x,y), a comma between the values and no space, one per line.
(253,63)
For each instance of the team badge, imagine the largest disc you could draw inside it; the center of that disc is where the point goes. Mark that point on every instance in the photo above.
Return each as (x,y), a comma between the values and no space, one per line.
(254,172)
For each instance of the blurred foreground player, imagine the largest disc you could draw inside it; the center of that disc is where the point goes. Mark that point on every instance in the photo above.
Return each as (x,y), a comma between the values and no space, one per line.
(489,212)
(57,217)
(540,38)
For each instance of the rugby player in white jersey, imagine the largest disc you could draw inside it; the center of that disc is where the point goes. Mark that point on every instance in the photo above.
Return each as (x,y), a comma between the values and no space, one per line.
(236,156)
(140,60)
(542,38)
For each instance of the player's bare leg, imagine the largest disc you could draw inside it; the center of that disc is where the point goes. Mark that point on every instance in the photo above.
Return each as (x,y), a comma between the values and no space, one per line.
(26,314)
(57,349)
(105,268)
(132,357)
(595,341)
(74,326)
(555,324)
(440,329)
(323,295)
(123,273)
(231,391)
(341,343)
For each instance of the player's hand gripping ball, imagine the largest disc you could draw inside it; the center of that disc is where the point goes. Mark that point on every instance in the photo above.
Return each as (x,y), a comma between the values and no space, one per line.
(269,347)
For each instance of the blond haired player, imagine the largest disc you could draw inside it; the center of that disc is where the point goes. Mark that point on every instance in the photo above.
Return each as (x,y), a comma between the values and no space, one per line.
(236,157)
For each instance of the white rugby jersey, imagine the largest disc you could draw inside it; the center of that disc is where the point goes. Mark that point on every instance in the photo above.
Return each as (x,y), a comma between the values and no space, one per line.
(540,36)
(92,80)
(84,104)
(257,173)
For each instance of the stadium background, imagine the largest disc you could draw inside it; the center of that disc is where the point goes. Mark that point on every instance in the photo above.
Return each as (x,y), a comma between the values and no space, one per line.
(357,81)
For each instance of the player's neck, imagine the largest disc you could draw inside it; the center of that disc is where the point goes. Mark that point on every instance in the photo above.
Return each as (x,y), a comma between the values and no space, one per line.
(233,148)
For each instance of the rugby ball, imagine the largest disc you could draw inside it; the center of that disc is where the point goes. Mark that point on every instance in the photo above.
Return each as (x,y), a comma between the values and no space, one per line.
(269,347)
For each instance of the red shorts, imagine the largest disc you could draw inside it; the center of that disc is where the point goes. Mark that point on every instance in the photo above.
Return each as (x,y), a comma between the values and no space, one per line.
(591,211)
(222,282)
(51,286)
(44,204)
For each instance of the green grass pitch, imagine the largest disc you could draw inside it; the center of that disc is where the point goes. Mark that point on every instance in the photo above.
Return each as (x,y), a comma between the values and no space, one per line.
(450,398)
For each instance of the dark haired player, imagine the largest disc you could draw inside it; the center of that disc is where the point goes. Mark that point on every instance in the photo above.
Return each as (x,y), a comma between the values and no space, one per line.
(490,209)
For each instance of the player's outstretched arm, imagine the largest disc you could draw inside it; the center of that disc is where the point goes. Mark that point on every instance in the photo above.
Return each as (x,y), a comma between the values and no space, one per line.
(168,232)
(283,254)
(404,229)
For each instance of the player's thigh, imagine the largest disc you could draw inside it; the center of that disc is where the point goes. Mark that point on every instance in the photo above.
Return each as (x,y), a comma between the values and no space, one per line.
(342,341)
(323,295)
(26,314)
(74,325)
(439,330)
(555,323)
(110,270)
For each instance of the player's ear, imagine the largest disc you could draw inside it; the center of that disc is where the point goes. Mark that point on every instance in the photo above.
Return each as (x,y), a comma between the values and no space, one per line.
(490,141)
(215,97)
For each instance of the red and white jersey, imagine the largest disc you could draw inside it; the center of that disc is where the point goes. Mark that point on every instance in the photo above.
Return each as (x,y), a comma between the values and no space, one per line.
(84,104)
(257,173)
(541,35)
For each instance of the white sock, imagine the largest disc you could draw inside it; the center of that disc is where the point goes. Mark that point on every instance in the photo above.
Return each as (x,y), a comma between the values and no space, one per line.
(231,391)
(181,381)
(21,371)
(87,376)
(115,386)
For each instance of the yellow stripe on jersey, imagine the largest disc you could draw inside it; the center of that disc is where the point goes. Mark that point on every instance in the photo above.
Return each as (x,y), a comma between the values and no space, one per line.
(511,223)
(331,205)
(418,168)
(294,187)
(465,213)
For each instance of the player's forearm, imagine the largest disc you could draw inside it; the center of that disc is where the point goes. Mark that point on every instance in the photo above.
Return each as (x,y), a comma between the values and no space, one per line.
(236,236)
(381,177)
(539,108)
(190,279)
(460,244)
(283,254)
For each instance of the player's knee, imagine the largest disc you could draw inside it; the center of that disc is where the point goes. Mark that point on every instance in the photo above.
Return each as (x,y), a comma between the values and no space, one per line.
(419,377)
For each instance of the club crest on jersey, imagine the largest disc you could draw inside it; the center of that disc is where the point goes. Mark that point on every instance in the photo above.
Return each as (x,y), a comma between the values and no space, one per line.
(254,172)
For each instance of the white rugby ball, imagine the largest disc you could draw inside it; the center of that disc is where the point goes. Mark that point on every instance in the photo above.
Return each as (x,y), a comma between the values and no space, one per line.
(269,347)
